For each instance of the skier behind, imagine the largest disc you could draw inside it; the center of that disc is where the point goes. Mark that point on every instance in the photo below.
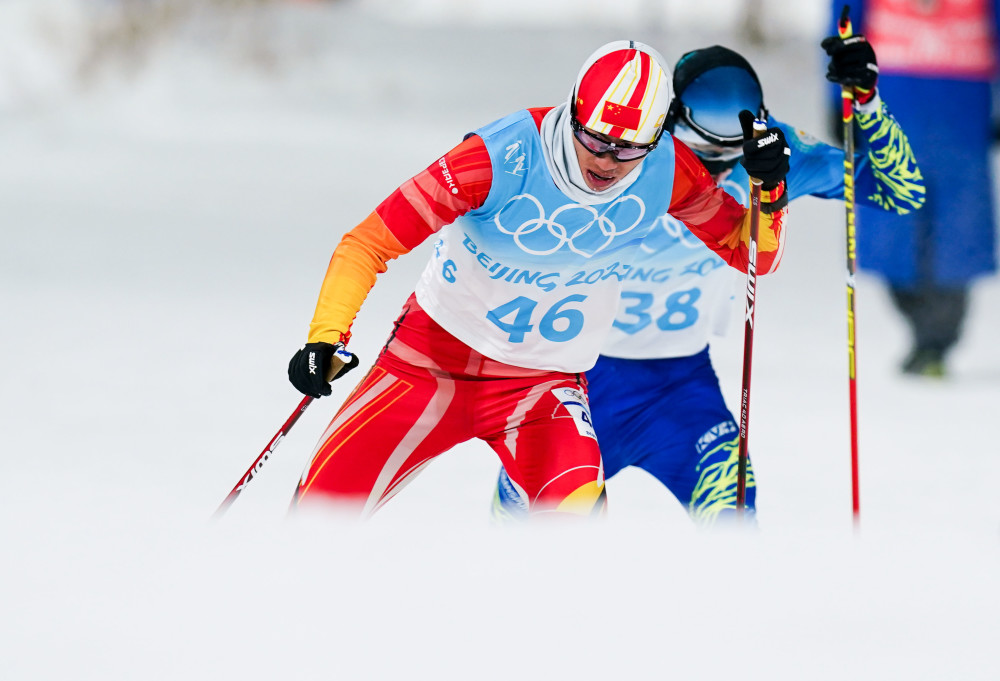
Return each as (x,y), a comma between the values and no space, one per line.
(940,68)
(537,216)
(655,398)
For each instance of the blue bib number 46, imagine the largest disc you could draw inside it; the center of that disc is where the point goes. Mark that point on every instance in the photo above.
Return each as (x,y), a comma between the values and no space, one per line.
(559,324)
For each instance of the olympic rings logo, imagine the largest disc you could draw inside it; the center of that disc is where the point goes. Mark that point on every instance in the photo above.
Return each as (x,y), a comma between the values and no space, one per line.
(667,233)
(586,240)
(675,231)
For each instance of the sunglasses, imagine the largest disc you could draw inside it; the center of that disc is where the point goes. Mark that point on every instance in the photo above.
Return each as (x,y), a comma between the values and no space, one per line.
(597,146)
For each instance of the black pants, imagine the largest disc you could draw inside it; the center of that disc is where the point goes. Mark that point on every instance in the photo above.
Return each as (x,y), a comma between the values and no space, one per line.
(935,315)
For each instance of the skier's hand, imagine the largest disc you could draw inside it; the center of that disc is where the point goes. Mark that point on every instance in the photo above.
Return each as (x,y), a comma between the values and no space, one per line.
(765,157)
(313,367)
(852,64)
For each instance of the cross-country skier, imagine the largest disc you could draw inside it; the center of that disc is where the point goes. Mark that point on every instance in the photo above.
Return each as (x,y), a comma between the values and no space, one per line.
(537,216)
(655,398)
(940,67)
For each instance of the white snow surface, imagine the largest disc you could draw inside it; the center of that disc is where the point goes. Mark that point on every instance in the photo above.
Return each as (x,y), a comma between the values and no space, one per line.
(167,219)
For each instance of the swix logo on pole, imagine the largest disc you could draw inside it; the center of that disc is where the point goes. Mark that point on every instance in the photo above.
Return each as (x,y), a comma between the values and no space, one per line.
(751,281)
(261,461)
(849,200)
(262,458)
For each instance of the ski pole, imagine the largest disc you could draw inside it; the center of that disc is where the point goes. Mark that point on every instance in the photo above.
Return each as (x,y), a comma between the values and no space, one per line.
(341,362)
(759,128)
(258,463)
(845,31)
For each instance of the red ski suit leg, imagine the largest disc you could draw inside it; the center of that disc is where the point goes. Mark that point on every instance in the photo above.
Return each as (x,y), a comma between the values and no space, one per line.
(429,392)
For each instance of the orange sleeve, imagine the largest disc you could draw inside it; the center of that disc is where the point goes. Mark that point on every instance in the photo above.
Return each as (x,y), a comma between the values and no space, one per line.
(361,255)
(720,220)
(453,185)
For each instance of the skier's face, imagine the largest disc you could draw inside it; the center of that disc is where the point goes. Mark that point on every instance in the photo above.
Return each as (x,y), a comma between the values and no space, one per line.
(601,171)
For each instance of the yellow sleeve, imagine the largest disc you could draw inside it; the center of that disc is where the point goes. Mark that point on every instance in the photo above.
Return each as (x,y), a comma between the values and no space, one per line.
(359,258)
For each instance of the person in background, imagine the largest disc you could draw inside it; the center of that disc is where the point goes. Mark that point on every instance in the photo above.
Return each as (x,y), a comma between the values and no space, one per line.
(655,397)
(537,217)
(937,62)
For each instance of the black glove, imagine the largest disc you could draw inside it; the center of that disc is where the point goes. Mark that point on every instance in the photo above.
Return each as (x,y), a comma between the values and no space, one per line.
(852,62)
(313,367)
(764,157)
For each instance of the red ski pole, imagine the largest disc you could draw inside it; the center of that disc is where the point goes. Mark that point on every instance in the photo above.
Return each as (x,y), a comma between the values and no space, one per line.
(759,127)
(845,30)
(342,362)
(259,462)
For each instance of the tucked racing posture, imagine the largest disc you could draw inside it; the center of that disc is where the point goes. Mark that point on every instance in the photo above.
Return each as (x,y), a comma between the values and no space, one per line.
(537,217)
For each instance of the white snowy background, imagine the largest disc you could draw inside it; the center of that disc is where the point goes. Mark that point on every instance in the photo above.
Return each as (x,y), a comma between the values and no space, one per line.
(170,192)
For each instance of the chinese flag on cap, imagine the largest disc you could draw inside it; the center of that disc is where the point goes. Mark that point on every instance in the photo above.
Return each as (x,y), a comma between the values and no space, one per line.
(621,115)
(624,94)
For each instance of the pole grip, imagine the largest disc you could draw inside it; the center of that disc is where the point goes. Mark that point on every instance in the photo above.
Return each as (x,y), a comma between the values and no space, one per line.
(759,130)
(844,28)
(337,365)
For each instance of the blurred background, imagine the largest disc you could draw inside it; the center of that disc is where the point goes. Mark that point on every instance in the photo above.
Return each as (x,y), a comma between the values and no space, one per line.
(174,175)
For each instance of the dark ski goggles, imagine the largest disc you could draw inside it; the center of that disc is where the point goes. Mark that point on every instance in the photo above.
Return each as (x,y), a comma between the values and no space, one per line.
(704,149)
(732,139)
(598,146)
(710,104)
(706,134)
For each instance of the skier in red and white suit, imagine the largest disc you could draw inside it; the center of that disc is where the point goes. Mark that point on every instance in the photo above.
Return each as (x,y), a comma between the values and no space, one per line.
(538,216)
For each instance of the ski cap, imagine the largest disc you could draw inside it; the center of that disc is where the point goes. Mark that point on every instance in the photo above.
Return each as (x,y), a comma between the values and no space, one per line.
(623,91)
(711,86)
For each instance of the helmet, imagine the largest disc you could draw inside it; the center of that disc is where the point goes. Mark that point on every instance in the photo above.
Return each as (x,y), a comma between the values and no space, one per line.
(711,86)
(623,91)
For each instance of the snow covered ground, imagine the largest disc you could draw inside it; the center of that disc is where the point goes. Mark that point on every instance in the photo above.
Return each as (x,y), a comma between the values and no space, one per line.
(166,223)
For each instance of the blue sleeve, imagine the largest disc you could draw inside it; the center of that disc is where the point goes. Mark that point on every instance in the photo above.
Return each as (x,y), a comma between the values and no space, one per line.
(888,176)
(885,172)
(815,168)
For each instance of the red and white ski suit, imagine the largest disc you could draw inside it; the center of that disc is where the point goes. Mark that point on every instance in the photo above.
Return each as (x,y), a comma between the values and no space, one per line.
(428,391)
